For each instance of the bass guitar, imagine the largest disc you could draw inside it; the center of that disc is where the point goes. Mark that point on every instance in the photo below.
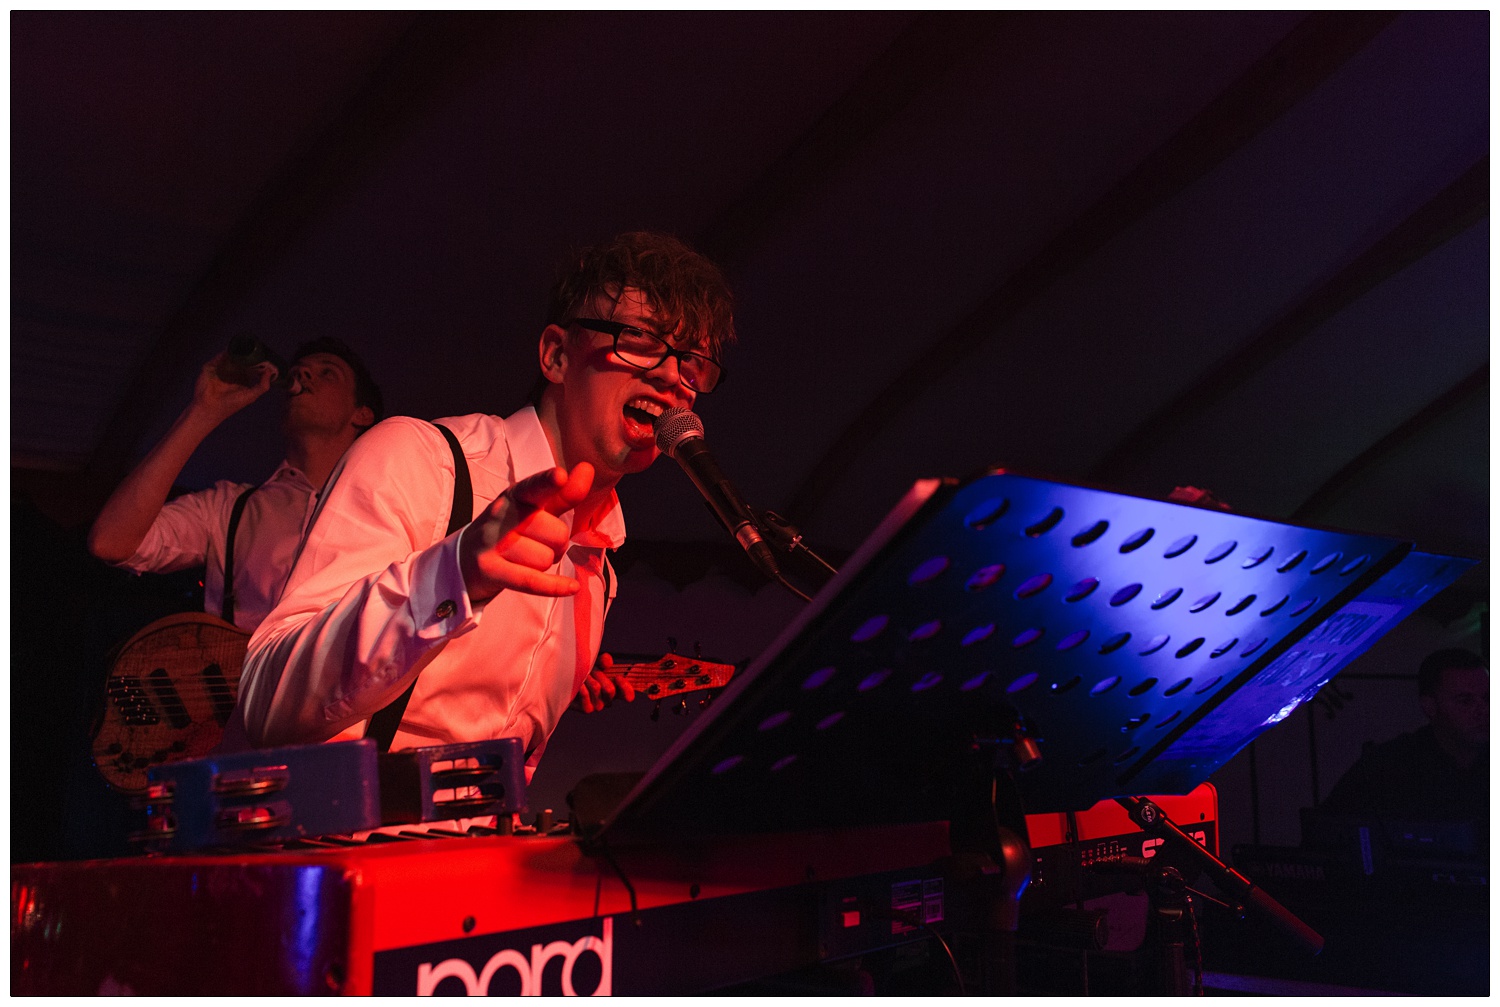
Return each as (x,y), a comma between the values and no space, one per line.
(169,694)
(173,685)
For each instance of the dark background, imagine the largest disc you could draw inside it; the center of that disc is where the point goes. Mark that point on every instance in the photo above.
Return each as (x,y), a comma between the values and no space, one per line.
(1241,251)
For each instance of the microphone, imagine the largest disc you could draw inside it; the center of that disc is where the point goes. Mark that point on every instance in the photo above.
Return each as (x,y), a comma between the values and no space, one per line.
(679,435)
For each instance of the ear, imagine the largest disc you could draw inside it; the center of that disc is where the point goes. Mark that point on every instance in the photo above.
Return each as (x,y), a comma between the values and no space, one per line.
(363,418)
(552,353)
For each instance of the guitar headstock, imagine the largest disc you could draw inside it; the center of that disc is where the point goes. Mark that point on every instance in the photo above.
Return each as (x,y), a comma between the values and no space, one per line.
(673,674)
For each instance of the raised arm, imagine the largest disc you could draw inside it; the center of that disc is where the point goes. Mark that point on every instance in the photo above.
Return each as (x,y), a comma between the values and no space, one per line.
(128,514)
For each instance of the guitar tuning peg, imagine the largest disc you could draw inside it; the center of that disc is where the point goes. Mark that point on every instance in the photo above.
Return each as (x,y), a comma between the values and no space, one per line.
(681,707)
(698,649)
(656,711)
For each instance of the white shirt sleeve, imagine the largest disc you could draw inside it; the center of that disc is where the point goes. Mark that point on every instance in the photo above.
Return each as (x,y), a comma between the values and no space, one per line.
(374,595)
(181,535)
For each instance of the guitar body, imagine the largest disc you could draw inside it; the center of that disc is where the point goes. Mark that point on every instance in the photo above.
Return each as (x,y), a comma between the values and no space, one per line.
(169,694)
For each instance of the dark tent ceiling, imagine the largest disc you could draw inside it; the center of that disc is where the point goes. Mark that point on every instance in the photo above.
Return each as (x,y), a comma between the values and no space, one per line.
(1243,251)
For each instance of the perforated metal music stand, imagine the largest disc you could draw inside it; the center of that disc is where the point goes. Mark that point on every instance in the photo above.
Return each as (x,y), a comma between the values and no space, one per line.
(1141,642)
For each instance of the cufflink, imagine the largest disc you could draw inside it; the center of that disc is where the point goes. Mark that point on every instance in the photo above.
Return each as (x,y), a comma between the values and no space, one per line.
(445,609)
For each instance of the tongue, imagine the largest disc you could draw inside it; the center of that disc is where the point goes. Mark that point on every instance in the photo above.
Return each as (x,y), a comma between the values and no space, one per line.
(639,424)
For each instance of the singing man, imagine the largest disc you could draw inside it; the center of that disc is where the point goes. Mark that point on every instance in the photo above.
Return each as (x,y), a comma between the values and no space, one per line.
(497,625)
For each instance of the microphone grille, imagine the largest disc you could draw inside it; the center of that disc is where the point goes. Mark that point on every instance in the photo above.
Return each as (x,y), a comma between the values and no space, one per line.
(675,426)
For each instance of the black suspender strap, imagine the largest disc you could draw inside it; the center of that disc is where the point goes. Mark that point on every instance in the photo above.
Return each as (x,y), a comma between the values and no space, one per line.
(382,726)
(234,524)
(462,511)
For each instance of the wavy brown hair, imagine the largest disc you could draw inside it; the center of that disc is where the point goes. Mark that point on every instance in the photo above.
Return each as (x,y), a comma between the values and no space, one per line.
(683,288)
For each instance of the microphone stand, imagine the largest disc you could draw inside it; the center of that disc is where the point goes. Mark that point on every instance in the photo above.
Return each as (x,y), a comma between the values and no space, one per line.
(786,540)
(1152,819)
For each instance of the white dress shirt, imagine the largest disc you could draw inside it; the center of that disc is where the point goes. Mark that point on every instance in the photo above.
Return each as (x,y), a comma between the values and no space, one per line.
(377,597)
(190,530)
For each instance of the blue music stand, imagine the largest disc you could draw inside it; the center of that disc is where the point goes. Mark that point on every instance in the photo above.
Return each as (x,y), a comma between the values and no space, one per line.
(1136,645)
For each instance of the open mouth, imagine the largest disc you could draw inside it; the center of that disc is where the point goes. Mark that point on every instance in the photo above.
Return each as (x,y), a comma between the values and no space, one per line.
(640,419)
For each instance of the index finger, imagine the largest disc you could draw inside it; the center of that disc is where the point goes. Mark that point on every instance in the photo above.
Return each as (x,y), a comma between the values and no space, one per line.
(626,690)
(555,490)
(266,375)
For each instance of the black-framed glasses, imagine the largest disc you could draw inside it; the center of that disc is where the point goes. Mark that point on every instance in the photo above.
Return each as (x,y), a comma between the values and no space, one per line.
(646,350)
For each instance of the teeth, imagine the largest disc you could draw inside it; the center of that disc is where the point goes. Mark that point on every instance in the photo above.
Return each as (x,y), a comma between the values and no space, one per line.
(646,406)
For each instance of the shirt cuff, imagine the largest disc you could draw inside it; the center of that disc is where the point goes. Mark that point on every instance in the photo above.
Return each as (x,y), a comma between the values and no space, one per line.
(440,605)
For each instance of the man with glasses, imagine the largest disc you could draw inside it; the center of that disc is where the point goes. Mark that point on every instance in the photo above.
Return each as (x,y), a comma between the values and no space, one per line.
(497,624)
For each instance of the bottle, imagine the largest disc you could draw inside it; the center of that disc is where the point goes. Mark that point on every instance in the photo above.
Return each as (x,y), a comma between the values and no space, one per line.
(246,353)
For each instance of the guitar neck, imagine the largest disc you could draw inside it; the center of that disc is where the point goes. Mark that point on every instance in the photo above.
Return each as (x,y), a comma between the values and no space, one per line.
(672,675)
